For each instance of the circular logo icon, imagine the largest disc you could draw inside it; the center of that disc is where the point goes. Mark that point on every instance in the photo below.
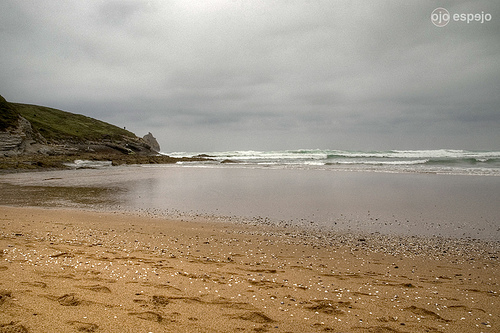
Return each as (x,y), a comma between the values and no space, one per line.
(440,17)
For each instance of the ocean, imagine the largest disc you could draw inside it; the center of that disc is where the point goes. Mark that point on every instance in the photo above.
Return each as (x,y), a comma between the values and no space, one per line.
(441,161)
(445,193)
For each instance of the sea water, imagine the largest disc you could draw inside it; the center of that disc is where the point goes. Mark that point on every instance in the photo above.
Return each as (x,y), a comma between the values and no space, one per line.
(449,202)
(441,161)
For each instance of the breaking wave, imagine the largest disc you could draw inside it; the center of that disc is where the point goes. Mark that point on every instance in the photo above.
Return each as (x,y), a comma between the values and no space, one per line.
(446,161)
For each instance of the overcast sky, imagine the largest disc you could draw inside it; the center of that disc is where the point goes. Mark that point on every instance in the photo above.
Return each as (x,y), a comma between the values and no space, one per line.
(262,74)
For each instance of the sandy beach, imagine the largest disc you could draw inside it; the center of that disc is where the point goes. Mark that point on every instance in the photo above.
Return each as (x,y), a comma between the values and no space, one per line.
(64,270)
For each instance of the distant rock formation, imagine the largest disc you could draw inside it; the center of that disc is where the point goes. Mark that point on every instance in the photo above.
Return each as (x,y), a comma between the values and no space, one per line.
(151,140)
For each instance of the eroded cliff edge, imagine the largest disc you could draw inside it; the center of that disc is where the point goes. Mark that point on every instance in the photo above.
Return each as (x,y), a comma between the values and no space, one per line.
(33,136)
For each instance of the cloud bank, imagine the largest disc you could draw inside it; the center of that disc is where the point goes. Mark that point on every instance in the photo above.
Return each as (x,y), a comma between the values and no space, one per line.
(235,74)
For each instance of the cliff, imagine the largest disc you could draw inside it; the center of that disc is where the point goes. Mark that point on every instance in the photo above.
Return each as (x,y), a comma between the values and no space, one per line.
(151,140)
(31,129)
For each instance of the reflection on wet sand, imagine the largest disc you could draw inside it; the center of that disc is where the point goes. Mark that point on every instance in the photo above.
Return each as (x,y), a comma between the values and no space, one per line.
(58,196)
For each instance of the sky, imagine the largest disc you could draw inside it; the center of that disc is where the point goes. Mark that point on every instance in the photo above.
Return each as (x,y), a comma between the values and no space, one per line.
(218,75)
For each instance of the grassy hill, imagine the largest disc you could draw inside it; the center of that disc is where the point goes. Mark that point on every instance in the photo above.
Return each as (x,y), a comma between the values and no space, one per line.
(8,115)
(60,126)
(66,137)
(56,125)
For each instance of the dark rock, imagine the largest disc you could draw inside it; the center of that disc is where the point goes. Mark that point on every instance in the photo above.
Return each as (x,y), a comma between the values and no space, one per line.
(152,142)
(121,149)
(18,140)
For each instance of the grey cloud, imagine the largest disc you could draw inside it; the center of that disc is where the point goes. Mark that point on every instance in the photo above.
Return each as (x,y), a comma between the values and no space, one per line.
(120,12)
(272,74)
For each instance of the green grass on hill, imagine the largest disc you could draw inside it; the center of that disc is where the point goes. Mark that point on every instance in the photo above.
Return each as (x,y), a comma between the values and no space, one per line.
(8,115)
(56,125)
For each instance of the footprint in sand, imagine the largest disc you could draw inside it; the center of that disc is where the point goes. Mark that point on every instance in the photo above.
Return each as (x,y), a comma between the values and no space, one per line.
(4,295)
(148,315)
(425,313)
(13,328)
(380,329)
(329,307)
(159,300)
(256,317)
(160,286)
(69,300)
(97,288)
(156,301)
(38,284)
(63,255)
(83,327)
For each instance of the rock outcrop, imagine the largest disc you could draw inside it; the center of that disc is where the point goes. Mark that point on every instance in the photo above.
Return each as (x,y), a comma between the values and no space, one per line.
(10,142)
(30,129)
(19,139)
(151,140)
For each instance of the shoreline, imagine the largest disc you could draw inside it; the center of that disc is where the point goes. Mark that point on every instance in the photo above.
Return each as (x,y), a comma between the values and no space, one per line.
(78,270)
(439,247)
(349,202)
(39,162)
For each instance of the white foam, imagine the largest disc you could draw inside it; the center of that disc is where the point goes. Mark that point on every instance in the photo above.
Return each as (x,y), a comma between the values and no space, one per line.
(80,164)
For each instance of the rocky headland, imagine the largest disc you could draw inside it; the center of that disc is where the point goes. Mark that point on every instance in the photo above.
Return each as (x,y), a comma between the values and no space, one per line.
(33,137)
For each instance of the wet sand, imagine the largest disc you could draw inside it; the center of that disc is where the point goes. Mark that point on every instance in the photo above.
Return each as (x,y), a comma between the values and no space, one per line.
(363,202)
(64,270)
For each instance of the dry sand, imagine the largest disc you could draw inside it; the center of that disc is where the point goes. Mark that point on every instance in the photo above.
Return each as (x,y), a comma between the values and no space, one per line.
(79,271)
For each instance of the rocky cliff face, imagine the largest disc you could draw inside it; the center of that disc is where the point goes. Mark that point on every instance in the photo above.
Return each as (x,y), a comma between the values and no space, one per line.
(11,142)
(19,139)
(151,140)
(19,136)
